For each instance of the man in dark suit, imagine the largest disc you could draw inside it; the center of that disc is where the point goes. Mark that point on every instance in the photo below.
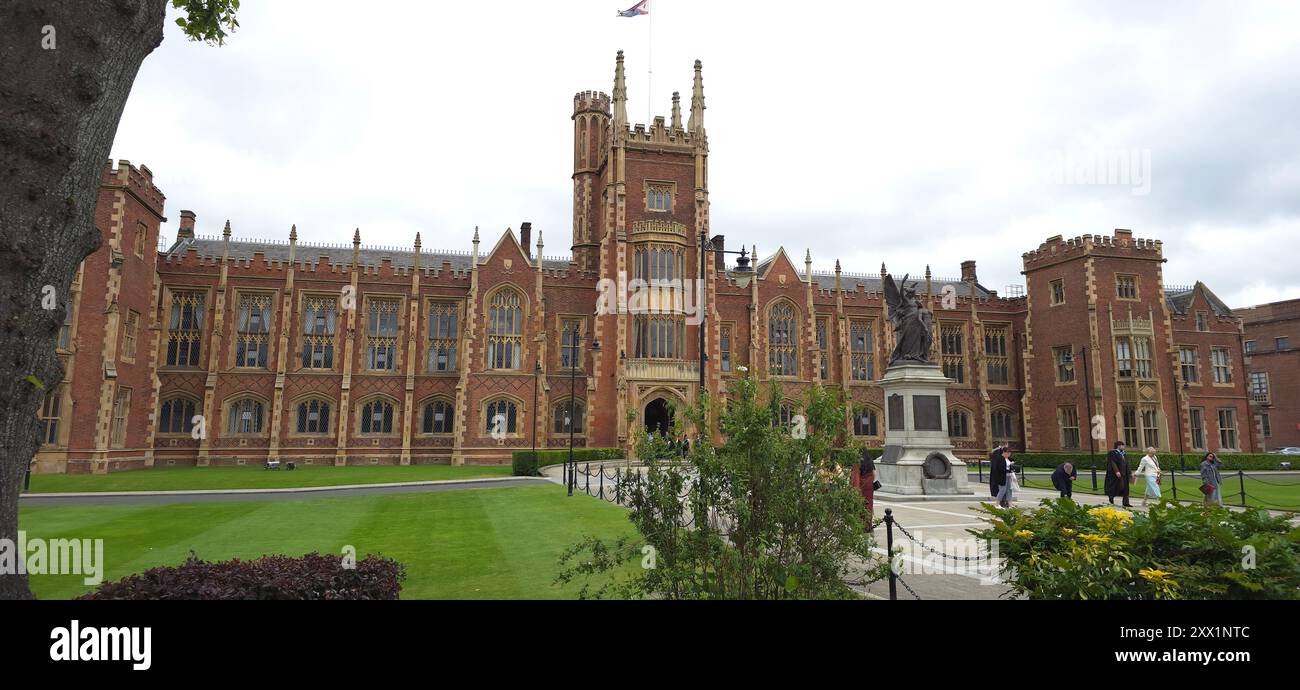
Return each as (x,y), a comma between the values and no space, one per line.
(1063,479)
(998,472)
(1117,474)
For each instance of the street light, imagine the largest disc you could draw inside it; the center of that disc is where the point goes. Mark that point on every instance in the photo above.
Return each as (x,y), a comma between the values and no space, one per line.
(1179,413)
(571,470)
(743,274)
(1092,440)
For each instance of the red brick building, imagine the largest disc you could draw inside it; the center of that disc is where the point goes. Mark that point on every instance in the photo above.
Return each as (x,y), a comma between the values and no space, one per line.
(220,350)
(1272,348)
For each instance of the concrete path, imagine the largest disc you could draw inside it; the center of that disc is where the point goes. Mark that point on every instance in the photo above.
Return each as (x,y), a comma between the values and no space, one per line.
(298,494)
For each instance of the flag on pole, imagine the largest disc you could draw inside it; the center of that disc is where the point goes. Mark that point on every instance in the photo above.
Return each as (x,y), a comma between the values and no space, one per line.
(640,8)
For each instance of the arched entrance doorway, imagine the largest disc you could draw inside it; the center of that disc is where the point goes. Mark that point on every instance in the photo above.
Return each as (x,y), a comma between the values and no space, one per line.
(658,417)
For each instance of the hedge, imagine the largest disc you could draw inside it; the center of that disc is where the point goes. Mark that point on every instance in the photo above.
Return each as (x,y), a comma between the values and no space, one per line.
(1169,461)
(310,577)
(527,463)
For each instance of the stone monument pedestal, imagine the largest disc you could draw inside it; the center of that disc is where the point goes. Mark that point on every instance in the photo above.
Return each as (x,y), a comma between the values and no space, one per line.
(918,457)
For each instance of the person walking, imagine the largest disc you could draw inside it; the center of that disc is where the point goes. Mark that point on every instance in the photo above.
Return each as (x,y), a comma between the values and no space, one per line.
(1117,475)
(1013,479)
(1149,469)
(1211,478)
(999,466)
(1063,479)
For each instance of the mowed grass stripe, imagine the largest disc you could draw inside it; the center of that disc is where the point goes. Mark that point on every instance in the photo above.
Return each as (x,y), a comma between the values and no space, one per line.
(136,538)
(473,543)
(256,477)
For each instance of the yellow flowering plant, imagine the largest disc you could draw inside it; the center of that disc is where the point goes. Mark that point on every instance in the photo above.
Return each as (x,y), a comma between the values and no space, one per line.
(1064,550)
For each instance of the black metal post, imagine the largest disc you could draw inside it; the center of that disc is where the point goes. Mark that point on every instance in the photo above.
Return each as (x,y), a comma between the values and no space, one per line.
(889,546)
(1241,481)
(742,266)
(573,378)
(1092,442)
(1173,481)
(27,479)
(981,466)
(1181,450)
(572,473)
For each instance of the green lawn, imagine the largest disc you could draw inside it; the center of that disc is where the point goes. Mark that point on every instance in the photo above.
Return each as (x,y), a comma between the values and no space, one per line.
(469,544)
(1280,493)
(189,478)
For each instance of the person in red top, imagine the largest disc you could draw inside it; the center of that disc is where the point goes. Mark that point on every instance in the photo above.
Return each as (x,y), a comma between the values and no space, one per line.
(864,480)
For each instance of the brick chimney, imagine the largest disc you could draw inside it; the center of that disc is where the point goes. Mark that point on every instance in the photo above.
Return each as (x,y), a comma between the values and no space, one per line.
(526,238)
(186,229)
(968,272)
(720,259)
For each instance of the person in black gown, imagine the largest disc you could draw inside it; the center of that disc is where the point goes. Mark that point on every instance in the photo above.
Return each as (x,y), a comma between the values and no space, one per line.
(1117,474)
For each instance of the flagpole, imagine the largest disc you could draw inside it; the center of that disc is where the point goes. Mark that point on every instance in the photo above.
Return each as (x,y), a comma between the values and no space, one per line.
(650,59)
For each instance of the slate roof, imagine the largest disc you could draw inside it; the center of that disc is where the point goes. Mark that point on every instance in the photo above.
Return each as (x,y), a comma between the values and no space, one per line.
(337,254)
(872,283)
(1179,302)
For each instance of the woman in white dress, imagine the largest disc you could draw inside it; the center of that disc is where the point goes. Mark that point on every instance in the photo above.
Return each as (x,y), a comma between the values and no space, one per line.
(1149,469)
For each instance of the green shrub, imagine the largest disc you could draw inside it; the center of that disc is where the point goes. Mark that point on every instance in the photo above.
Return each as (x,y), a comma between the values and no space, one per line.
(1064,550)
(527,463)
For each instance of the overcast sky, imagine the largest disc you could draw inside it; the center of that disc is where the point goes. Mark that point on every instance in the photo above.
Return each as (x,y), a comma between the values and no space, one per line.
(908,133)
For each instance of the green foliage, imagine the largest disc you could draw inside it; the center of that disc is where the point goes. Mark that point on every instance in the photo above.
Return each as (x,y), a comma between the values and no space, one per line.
(1168,461)
(761,516)
(527,463)
(1063,550)
(210,21)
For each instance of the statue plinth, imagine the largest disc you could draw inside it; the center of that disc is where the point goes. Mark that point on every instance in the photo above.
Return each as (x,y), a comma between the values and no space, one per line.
(918,457)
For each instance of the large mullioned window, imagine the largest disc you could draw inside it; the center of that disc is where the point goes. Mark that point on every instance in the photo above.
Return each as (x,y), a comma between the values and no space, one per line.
(254,327)
(659,263)
(381,332)
(660,336)
(782,340)
(313,417)
(319,321)
(185,329)
(443,332)
(861,351)
(176,416)
(505,330)
(995,353)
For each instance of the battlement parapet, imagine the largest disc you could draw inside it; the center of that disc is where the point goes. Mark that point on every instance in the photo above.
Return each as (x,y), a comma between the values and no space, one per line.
(1121,243)
(588,101)
(138,180)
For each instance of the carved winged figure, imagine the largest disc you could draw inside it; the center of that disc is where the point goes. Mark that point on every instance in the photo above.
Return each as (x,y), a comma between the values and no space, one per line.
(913,323)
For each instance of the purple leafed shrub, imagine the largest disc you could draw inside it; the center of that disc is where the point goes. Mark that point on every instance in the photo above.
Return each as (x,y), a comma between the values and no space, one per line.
(307,577)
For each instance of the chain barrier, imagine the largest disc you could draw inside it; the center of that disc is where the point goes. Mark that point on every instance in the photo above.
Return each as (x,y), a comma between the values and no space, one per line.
(907,587)
(927,547)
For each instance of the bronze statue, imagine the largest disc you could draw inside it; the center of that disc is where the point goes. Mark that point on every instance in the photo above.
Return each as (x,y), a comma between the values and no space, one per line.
(913,323)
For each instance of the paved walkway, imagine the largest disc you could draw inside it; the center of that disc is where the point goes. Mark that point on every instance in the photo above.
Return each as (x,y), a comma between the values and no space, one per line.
(941,525)
(298,494)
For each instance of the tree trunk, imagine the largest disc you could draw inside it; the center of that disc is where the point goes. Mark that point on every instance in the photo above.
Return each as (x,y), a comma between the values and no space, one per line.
(68,68)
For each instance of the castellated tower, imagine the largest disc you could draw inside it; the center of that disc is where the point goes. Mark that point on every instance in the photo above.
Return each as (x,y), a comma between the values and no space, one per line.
(591,120)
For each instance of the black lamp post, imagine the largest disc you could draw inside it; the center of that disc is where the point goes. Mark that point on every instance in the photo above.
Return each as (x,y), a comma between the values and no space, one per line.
(743,271)
(1179,412)
(571,466)
(1092,441)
